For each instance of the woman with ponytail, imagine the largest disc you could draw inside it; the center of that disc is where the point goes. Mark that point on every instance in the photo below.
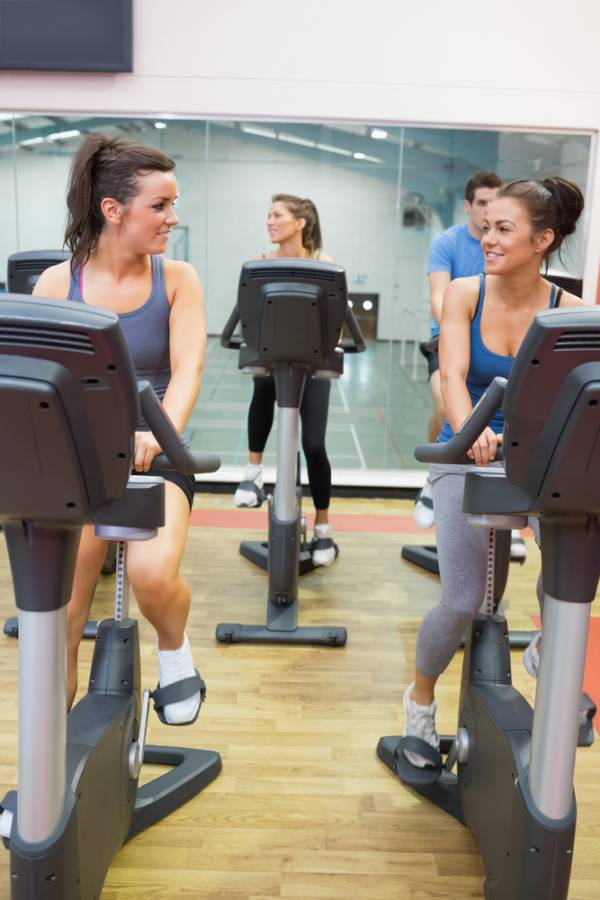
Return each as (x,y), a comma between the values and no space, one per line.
(120,203)
(293,224)
(484,321)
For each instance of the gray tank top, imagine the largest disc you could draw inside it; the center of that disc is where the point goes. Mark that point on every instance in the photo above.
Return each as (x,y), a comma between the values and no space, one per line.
(146,329)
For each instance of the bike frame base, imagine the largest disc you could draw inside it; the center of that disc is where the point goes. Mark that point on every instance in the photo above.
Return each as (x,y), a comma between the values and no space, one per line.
(11,628)
(326,635)
(526,855)
(257,552)
(192,770)
(422,555)
(104,806)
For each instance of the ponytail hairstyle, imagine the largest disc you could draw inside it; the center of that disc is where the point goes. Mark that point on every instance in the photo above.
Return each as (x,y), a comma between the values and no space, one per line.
(553,203)
(104,167)
(304,209)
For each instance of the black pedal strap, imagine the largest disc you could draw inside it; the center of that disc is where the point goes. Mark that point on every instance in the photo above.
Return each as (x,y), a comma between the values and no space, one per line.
(417,775)
(179,690)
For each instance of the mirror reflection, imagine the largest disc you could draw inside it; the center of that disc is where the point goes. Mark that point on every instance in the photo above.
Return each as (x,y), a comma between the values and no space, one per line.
(382,194)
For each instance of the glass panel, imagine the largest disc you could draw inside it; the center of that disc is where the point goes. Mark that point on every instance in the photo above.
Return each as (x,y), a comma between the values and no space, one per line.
(382,195)
(9,224)
(437,163)
(353,181)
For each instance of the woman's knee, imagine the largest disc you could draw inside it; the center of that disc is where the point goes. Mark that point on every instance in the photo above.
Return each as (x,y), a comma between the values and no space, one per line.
(462,599)
(150,580)
(154,580)
(315,452)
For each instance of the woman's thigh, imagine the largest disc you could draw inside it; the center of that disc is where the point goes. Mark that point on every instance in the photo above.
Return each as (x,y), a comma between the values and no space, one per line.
(159,559)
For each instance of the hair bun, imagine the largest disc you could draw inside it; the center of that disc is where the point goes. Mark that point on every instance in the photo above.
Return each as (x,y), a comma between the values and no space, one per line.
(569,202)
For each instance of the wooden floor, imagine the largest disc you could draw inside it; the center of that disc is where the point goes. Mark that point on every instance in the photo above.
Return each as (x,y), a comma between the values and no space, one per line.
(303,808)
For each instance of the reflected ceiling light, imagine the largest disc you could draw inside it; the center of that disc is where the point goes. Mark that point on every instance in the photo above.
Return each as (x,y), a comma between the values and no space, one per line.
(29,142)
(367,158)
(329,149)
(350,303)
(367,304)
(293,139)
(259,132)
(63,135)
(435,151)
(378,134)
(160,125)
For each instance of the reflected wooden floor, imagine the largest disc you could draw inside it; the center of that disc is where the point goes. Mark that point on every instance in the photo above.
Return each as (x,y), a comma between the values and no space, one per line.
(303,808)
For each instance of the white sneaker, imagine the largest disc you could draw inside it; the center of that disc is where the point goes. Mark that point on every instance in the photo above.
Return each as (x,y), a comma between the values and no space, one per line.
(424,516)
(518,550)
(173,666)
(531,657)
(419,721)
(324,550)
(250,490)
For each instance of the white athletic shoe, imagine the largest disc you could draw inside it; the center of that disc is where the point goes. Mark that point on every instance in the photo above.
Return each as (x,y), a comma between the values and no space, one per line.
(531,657)
(250,490)
(324,550)
(173,666)
(424,516)
(518,550)
(419,721)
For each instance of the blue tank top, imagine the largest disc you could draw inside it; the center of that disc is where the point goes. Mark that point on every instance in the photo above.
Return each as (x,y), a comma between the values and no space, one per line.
(484,365)
(146,329)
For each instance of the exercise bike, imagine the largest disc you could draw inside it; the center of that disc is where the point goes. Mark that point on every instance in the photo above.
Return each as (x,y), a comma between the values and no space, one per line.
(292,313)
(69,407)
(22,272)
(257,552)
(514,784)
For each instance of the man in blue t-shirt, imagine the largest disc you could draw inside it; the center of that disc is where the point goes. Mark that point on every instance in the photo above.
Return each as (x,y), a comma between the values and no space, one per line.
(455,253)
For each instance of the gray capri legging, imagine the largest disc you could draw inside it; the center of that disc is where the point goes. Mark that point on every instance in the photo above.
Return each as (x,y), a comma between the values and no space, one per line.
(462,555)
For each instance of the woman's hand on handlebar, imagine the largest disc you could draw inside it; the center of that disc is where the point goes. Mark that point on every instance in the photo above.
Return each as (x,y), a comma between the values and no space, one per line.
(146,448)
(483,451)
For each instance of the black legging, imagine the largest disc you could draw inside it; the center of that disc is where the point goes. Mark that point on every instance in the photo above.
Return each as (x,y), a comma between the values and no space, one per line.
(313,413)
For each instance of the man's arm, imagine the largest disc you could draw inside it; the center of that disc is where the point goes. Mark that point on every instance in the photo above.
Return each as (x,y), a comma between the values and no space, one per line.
(438,283)
(439,272)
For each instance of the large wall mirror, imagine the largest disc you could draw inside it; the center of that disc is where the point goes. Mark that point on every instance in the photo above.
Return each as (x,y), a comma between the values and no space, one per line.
(382,195)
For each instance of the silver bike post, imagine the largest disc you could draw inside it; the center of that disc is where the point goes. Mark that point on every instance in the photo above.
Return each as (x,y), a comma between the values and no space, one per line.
(284,500)
(42,722)
(557,700)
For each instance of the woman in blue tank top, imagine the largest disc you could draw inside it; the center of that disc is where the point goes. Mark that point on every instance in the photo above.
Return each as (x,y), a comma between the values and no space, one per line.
(485,319)
(121,211)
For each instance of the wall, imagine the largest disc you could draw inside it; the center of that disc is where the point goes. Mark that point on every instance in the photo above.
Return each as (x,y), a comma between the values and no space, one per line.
(432,63)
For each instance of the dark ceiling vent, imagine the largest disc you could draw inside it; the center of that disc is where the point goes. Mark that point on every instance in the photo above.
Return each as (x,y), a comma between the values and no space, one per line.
(49,338)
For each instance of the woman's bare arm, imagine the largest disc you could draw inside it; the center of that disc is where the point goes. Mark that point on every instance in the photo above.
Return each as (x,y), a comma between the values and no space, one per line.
(459,306)
(54,282)
(187,342)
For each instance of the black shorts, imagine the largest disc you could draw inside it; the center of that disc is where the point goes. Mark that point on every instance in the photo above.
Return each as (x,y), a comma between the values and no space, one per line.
(187,483)
(429,349)
(433,363)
